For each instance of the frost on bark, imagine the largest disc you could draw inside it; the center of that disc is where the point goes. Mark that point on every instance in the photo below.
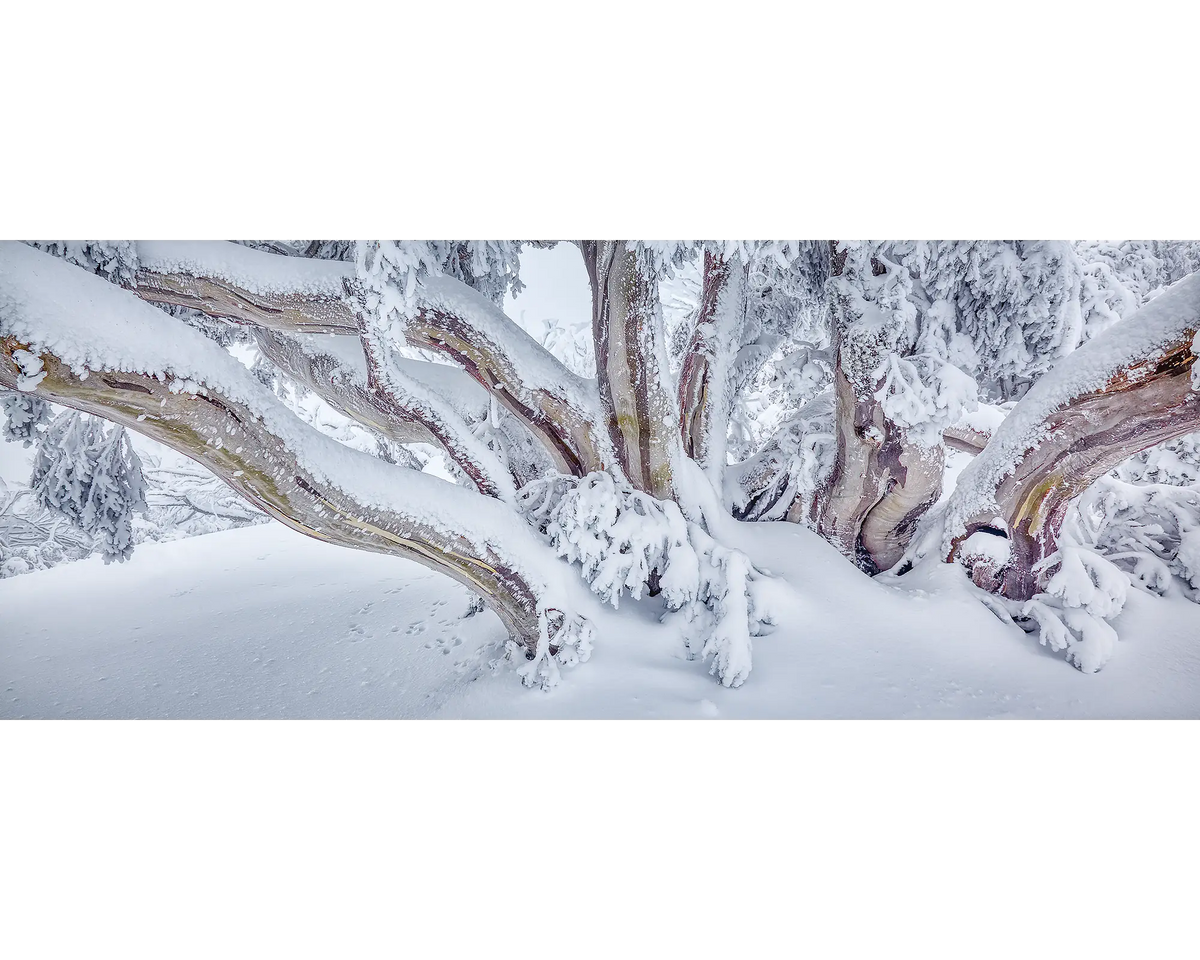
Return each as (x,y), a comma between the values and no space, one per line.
(1128,389)
(293,295)
(705,377)
(882,481)
(77,340)
(261,468)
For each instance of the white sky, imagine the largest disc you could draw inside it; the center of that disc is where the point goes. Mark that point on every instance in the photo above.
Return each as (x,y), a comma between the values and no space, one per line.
(556,287)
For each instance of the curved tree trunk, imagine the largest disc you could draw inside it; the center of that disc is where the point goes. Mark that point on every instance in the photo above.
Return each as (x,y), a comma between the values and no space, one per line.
(227,438)
(1128,389)
(882,482)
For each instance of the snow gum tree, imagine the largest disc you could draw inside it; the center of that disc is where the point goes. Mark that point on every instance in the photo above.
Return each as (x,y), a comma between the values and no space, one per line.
(817,382)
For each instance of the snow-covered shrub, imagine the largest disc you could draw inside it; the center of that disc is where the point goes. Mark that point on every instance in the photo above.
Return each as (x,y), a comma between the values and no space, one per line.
(620,537)
(1145,516)
(117,491)
(799,457)
(64,465)
(93,477)
(22,415)
(731,607)
(566,641)
(924,395)
(34,538)
(625,541)
(1072,612)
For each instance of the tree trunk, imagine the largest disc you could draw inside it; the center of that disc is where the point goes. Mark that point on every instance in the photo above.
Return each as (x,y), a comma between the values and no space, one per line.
(704,380)
(637,402)
(882,482)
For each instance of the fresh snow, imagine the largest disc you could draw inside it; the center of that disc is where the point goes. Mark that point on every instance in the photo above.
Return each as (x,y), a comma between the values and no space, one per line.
(257,271)
(263,622)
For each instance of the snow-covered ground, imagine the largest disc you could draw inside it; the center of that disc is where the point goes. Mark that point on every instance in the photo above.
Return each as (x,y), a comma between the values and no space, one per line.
(263,622)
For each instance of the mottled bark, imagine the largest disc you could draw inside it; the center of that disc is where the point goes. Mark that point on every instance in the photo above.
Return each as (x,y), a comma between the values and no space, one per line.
(555,416)
(881,482)
(285,310)
(227,438)
(565,428)
(403,416)
(880,486)
(1148,401)
(328,377)
(638,405)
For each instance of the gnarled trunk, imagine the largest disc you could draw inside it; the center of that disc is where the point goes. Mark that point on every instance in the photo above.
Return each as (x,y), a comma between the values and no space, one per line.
(882,482)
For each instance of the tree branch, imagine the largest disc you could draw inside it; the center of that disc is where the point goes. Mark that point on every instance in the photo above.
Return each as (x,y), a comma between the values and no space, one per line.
(1120,393)
(558,406)
(73,338)
(402,411)
(227,438)
(296,295)
(237,283)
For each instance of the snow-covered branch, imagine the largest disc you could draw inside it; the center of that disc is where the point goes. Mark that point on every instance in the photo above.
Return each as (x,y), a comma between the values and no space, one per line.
(299,295)
(85,343)
(1129,388)
(228,280)
(559,407)
(403,410)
